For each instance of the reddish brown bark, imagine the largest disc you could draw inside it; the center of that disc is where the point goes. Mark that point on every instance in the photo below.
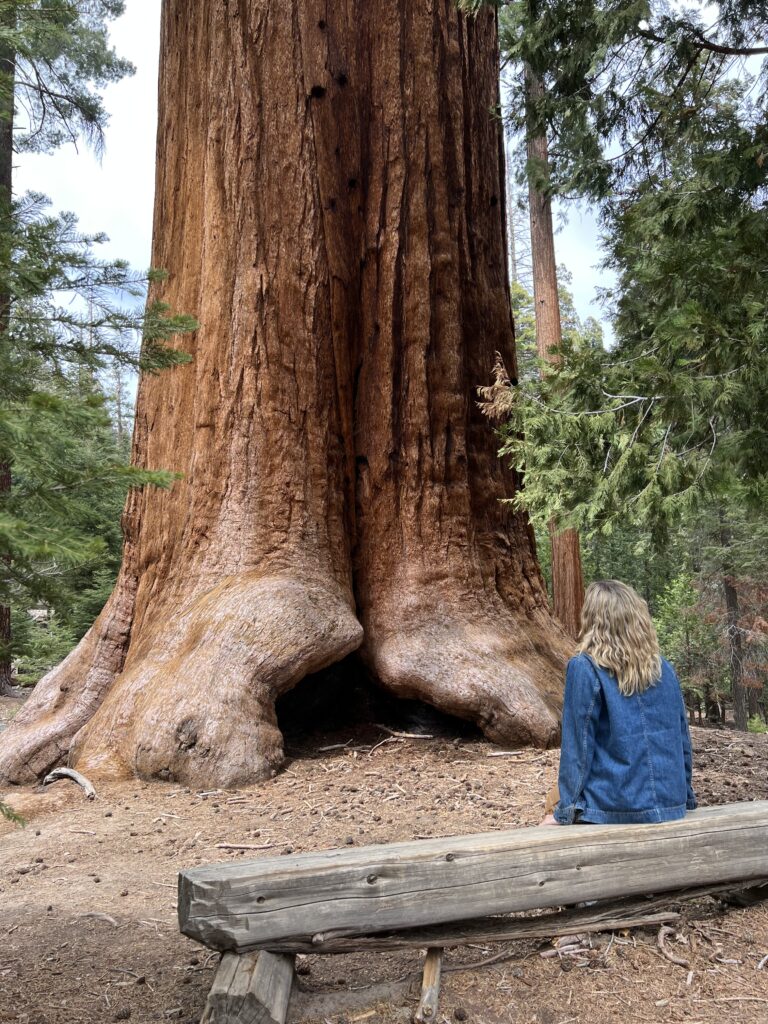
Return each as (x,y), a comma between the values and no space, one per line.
(328,206)
(567,575)
(8,72)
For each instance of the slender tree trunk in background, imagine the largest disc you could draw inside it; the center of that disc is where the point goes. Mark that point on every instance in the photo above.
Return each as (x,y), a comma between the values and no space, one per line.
(7,76)
(514,271)
(735,636)
(753,701)
(567,575)
(328,205)
(735,654)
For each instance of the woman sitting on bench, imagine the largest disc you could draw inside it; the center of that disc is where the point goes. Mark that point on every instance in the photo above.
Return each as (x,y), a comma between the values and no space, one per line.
(626,750)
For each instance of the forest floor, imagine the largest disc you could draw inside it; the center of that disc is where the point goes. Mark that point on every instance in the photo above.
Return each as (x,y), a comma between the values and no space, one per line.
(88,929)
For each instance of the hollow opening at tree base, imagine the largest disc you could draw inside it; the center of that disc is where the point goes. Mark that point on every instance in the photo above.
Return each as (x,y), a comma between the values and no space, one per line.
(344,701)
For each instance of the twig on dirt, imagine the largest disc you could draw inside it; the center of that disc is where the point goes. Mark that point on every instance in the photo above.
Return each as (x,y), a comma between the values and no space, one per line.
(81,831)
(732,999)
(70,773)
(99,917)
(550,954)
(335,746)
(762,963)
(405,735)
(517,753)
(388,739)
(245,846)
(189,843)
(665,930)
(507,954)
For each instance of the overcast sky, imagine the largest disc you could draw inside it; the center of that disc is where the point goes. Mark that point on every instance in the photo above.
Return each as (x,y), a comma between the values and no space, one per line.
(115,195)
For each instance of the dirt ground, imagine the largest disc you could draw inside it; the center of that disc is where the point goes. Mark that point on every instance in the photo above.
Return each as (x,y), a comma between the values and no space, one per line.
(88,929)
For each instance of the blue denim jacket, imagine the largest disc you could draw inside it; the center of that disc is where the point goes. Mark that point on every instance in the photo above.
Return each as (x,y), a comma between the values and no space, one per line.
(623,759)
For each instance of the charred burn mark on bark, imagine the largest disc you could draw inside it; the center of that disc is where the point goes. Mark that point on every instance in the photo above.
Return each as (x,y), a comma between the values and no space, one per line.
(332,203)
(342,79)
(352,184)
(321,24)
(317,92)
(494,200)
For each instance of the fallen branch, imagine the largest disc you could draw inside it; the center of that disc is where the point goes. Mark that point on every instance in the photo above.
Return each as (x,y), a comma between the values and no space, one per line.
(665,930)
(406,735)
(70,773)
(245,846)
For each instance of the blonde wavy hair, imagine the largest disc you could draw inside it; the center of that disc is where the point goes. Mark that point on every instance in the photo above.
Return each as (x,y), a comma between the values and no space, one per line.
(617,632)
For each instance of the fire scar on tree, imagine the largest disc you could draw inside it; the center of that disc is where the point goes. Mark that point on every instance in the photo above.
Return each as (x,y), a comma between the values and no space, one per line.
(329,205)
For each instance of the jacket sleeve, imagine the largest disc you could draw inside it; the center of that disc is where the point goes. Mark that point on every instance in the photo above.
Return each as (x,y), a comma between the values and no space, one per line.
(581,710)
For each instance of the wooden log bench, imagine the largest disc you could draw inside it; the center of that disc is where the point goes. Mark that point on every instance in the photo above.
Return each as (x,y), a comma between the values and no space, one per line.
(444,892)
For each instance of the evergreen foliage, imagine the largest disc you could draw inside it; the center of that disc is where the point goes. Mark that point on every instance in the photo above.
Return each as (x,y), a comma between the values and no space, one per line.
(657,449)
(67,317)
(59,523)
(61,60)
(671,416)
(9,814)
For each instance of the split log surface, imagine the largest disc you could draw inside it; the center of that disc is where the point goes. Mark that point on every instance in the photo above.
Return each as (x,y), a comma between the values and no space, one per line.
(608,916)
(252,988)
(314,897)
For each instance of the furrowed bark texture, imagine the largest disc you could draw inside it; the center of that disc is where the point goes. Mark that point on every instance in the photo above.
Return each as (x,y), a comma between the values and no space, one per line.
(7,76)
(328,207)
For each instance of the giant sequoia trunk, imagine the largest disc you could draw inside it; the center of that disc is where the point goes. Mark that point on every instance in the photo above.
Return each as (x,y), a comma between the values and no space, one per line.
(328,206)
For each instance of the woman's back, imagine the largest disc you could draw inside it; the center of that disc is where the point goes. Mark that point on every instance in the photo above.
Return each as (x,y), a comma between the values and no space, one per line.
(626,748)
(639,770)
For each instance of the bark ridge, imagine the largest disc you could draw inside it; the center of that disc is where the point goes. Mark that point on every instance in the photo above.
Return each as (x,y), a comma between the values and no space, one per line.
(329,206)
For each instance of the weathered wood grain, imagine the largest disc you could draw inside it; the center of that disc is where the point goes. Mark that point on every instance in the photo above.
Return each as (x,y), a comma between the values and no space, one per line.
(250,988)
(430,987)
(601,917)
(406,885)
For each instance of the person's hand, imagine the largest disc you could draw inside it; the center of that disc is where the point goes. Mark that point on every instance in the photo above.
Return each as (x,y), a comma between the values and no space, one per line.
(549,819)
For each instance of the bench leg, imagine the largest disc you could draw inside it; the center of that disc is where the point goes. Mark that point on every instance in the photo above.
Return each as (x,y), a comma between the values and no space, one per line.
(250,988)
(426,1011)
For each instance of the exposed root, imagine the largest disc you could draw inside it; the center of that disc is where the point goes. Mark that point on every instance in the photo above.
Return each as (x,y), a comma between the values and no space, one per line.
(489,673)
(195,703)
(39,737)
